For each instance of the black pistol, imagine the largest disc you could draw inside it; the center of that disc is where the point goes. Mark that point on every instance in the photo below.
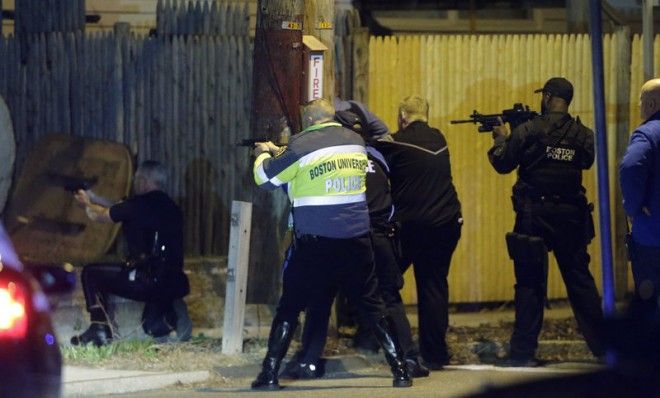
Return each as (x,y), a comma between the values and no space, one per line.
(251,141)
(71,183)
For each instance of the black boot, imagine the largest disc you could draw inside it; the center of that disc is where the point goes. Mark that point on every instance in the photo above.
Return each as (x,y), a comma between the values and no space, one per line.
(416,369)
(98,334)
(278,342)
(183,322)
(386,336)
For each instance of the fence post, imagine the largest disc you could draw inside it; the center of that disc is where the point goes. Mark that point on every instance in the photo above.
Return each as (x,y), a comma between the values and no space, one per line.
(237,271)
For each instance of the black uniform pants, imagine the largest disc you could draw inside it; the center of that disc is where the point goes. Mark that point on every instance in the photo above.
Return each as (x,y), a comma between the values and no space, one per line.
(317,267)
(645,262)
(566,230)
(101,279)
(390,281)
(430,249)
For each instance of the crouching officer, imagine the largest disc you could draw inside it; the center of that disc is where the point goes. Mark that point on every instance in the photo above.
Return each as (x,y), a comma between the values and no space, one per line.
(324,168)
(552,214)
(152,224)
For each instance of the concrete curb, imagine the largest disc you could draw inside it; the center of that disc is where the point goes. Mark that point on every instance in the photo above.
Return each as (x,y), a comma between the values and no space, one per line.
(85,382)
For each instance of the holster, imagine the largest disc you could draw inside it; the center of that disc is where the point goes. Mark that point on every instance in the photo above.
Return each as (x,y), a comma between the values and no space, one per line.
(525,247)
(147,269)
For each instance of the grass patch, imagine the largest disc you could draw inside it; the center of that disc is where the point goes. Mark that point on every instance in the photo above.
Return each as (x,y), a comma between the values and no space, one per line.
(91,355)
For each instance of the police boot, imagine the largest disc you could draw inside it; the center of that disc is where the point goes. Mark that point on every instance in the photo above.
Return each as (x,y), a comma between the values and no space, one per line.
(386,335)
(98,334)
(278,342)
(183,322)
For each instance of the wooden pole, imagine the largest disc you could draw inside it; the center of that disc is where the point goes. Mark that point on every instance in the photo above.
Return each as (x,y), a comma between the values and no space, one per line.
(277,77)
(237,272)
(319,22)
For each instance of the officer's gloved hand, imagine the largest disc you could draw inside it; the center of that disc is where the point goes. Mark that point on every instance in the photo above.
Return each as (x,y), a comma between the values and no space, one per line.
(500,130)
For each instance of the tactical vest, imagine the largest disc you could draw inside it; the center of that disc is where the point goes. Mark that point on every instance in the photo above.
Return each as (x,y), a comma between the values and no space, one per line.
(551,163)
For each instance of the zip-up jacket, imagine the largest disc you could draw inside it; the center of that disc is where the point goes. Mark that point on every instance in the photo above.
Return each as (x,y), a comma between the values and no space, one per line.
(379,196)
(324,169)
(420,174)
(640,181)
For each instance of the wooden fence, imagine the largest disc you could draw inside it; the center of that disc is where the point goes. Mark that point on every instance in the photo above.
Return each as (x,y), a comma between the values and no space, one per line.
(489,73)
(209,18)
(351,56)
(43,16)
(184,101)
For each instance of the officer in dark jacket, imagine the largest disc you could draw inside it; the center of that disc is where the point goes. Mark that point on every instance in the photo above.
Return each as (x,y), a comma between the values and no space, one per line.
(152,224)
(427,206)
(552,214)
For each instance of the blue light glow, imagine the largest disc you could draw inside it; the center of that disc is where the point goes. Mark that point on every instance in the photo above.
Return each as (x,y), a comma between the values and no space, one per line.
(50,339)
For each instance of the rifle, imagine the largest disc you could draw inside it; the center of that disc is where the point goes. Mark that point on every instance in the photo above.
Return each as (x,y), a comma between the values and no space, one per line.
(515,116)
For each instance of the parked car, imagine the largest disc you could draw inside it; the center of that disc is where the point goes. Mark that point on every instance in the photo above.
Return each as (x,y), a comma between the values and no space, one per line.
(30,359)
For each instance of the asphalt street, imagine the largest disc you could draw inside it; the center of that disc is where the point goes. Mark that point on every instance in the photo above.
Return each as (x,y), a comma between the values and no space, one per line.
(455,381)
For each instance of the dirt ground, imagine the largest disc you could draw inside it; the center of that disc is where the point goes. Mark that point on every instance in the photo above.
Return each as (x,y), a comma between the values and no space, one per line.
(560,341)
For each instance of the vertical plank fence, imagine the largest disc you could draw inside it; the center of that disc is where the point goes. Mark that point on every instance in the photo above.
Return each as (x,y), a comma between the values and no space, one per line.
(44,16)
(202,18)
(351,56)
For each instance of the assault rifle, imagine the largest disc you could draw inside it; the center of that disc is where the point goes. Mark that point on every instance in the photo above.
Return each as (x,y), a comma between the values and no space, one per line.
(515,116)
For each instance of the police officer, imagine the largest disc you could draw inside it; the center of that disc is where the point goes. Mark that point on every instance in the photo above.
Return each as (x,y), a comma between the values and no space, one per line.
(428,208)
(552,214)
(152,224)
(307,363)
(324,169)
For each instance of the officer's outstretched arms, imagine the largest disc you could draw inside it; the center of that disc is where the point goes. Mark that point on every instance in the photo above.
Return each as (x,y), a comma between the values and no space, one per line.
(94,210)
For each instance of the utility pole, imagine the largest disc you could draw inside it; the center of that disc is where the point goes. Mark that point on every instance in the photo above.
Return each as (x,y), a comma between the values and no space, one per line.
(320,22)
(277,87)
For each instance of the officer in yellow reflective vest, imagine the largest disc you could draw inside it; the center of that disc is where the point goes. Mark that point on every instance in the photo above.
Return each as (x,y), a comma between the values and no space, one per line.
(324,169)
